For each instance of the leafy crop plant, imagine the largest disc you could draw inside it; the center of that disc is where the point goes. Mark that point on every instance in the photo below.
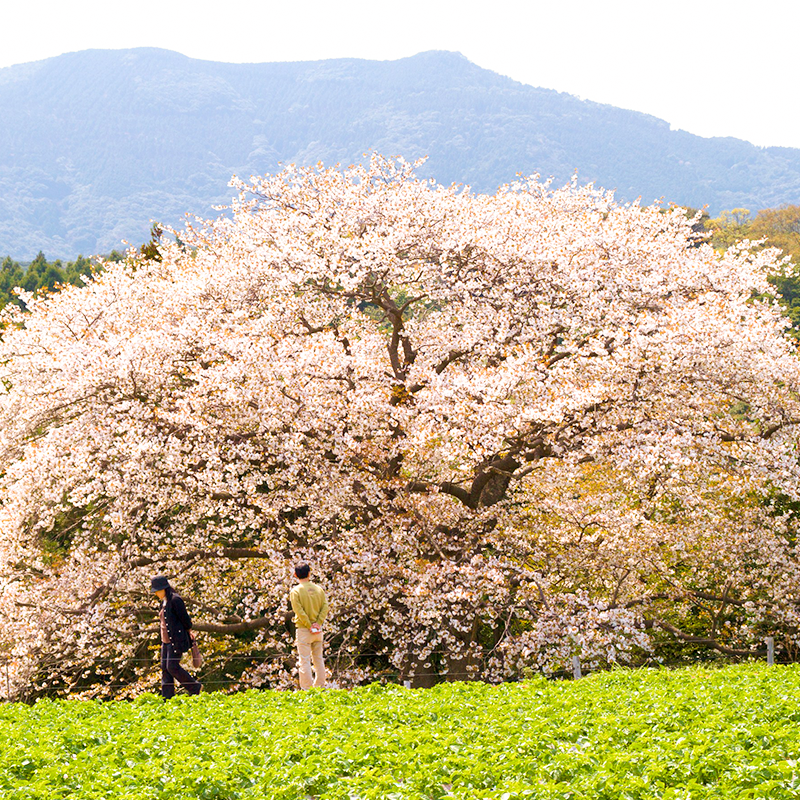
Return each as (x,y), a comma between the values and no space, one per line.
(621,735)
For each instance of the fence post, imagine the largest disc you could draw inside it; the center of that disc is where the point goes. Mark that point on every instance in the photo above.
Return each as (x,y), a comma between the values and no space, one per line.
(8,683)
(576,667)
(770,650)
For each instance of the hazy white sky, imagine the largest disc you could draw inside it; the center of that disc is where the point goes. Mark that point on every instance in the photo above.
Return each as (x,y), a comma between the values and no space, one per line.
(714,68)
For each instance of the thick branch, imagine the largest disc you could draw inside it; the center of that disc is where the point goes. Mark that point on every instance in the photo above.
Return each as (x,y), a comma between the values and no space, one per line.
(233,628)
(223,552)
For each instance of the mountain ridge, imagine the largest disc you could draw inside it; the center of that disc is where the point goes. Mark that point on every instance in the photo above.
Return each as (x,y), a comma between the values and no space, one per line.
(97,143)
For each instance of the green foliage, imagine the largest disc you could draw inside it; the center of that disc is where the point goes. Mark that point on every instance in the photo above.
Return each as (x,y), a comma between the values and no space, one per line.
(150,248)
(699,733)
(731,227)
(44,276)
(777,227)
(788,286)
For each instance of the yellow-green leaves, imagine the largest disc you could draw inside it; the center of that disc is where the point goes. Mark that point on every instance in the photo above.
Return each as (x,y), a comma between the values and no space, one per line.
(696,733)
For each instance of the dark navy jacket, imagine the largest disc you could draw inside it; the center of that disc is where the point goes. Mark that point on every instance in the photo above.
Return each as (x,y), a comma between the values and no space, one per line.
(178,623)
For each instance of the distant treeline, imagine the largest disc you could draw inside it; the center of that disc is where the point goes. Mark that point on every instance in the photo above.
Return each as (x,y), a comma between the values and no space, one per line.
(42,275)
(774,227)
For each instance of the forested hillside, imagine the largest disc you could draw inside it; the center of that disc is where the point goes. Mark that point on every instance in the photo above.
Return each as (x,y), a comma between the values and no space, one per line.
(42,275)
(96,144)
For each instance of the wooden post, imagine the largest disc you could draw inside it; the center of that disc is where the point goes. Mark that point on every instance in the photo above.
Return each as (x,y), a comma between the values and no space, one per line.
(407,684)
(8,684)
(770,650)
(576,667)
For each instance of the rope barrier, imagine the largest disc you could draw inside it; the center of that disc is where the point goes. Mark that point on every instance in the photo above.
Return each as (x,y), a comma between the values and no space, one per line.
(218,661)
(240,656)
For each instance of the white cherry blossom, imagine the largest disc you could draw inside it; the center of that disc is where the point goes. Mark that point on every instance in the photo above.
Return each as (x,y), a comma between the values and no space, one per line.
(503,429)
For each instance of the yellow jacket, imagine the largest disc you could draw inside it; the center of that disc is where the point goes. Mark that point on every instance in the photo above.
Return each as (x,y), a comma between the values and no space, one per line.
(309,604)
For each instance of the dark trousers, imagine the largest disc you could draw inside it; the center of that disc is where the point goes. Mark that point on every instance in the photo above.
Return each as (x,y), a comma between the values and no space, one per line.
(171,670)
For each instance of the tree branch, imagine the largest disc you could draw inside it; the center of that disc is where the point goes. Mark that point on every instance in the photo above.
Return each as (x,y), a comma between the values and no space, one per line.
(234,628)
(223,552)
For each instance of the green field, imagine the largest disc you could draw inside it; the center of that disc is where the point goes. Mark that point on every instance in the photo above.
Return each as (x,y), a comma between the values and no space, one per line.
(691,733)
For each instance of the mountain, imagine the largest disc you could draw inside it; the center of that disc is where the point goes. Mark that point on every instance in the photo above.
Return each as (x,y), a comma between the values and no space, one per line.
(95,144)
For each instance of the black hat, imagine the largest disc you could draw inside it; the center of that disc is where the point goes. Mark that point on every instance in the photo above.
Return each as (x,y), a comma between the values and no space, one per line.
(159,582)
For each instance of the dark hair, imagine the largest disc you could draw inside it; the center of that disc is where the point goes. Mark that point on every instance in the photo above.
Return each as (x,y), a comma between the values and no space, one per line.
(302,570)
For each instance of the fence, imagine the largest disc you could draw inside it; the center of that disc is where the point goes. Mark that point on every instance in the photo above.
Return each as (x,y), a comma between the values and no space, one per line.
(577,669)
(769,641)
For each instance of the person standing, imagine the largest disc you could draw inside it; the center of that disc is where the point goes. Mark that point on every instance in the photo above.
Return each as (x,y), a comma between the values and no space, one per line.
(310,606)
(175,638)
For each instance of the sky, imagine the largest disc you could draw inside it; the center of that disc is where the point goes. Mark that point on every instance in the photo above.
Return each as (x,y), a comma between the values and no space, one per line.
(708,67)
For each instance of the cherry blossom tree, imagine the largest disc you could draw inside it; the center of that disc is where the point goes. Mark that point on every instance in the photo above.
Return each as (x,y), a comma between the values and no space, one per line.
(503,430)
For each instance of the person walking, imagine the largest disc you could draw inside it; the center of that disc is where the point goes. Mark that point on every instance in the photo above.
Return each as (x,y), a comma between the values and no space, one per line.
(310,606)
(175,638)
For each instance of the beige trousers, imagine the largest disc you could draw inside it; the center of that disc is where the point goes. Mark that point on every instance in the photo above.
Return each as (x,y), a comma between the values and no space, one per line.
(309,647)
